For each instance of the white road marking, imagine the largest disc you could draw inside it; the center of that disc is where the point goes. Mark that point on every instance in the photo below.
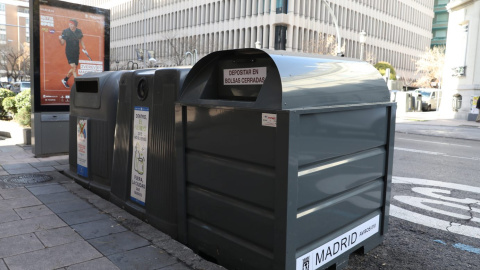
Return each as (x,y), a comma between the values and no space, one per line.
(420,203)
(436,223)
(425,182)
(452,144)
(431,192)
(433,153)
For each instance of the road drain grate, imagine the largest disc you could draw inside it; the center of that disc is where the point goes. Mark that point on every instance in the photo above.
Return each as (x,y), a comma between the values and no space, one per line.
(25,179)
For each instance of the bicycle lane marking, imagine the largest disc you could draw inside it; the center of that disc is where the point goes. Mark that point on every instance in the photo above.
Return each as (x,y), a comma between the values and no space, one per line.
(437,198)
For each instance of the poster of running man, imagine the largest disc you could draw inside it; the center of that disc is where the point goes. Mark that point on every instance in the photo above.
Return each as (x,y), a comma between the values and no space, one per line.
(72,41)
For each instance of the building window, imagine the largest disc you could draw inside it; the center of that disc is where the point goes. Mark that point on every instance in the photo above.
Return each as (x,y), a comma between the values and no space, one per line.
(282,6)
(2,7)
(441,18)
(280,37)
(441,2)
(440,34)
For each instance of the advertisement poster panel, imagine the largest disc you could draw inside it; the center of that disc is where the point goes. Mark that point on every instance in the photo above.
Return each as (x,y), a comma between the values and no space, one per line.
(72,43)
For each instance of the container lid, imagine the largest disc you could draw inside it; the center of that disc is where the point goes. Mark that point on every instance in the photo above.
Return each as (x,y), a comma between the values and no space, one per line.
(263,79)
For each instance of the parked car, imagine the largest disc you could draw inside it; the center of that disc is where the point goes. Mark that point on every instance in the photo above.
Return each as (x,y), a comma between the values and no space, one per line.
(430,98)
(18,87)
(5,85)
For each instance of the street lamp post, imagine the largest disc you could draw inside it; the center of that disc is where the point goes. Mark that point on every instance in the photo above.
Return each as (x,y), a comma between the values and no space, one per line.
(363,39)
(335,22)
(144,36)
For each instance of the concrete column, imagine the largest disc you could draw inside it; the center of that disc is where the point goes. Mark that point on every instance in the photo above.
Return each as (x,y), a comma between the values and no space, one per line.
(271,38)
(288,46)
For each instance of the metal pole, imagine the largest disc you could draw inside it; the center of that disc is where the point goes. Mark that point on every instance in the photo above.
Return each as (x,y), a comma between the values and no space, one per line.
(339,39)
(144,37)
(363,37)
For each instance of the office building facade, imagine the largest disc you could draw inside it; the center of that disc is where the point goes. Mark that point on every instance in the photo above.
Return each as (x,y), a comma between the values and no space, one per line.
(397,31)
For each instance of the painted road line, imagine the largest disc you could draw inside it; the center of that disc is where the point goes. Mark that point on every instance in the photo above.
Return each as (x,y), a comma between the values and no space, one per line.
(425,182)
(434,153)
(431,188)
(434,223)
(420,203)
(451,144)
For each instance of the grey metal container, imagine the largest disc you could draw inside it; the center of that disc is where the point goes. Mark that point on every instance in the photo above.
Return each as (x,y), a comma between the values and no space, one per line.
(94,98)
(284,161)
(150,93)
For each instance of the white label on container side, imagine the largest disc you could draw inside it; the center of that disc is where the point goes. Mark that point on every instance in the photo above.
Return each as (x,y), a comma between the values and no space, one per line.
(139,155)
(269,120)
(244,76)
(334,248)
(82,148)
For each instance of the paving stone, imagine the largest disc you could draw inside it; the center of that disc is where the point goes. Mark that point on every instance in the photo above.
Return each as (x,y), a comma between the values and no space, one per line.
(98,228)
(19,203)
(2,265)
(12,193)
(68,206)
(143,258)
(23,170)
(33,211)
(118,242)
(46,189)
(63,161)
(58,236)
(56,197)
(178,266)
(53,258)
(97,264)
(8,215)
(47,163)
(46,169)
(62,167)
(19,244)
(30,225)
(82,216)
(16,166)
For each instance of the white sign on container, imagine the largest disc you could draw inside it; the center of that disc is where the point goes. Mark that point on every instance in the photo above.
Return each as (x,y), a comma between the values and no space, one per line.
(82,147)
(244,76)
(335,247)
(139,155)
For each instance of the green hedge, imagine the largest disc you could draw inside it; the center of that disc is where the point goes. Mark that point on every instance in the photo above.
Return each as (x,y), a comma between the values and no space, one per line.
(382,67)
(4,93)
(24,108)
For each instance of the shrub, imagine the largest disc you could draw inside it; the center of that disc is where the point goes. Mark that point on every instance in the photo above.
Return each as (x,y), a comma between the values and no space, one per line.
(23,117)
(8,105)
(382,67)
(4,93)
(24,108)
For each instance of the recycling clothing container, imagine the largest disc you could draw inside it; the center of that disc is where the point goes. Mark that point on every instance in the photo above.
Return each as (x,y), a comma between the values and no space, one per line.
(144,156)
(93,111)
(284,161)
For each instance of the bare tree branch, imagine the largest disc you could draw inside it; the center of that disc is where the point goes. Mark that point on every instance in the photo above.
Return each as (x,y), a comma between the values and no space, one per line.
(15,63)
(430,66)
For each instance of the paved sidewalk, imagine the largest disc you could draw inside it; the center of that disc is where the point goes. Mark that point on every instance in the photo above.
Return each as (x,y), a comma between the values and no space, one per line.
(47,221)
(431,124)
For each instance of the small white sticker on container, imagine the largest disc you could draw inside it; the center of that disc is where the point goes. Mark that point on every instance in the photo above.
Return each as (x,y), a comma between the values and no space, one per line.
(269,120)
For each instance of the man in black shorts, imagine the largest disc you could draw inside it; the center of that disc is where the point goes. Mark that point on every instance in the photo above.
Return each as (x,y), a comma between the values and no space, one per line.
(72,36)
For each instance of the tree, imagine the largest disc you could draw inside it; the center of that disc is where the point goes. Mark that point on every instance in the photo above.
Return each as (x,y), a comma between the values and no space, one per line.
(15,63)
(179,46)
(382,68)
(326,45)
(430,67)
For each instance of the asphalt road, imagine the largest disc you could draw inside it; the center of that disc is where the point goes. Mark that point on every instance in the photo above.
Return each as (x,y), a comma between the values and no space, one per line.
(435,207)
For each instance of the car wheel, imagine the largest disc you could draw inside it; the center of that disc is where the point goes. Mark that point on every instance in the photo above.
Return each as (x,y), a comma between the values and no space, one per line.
(429,108)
